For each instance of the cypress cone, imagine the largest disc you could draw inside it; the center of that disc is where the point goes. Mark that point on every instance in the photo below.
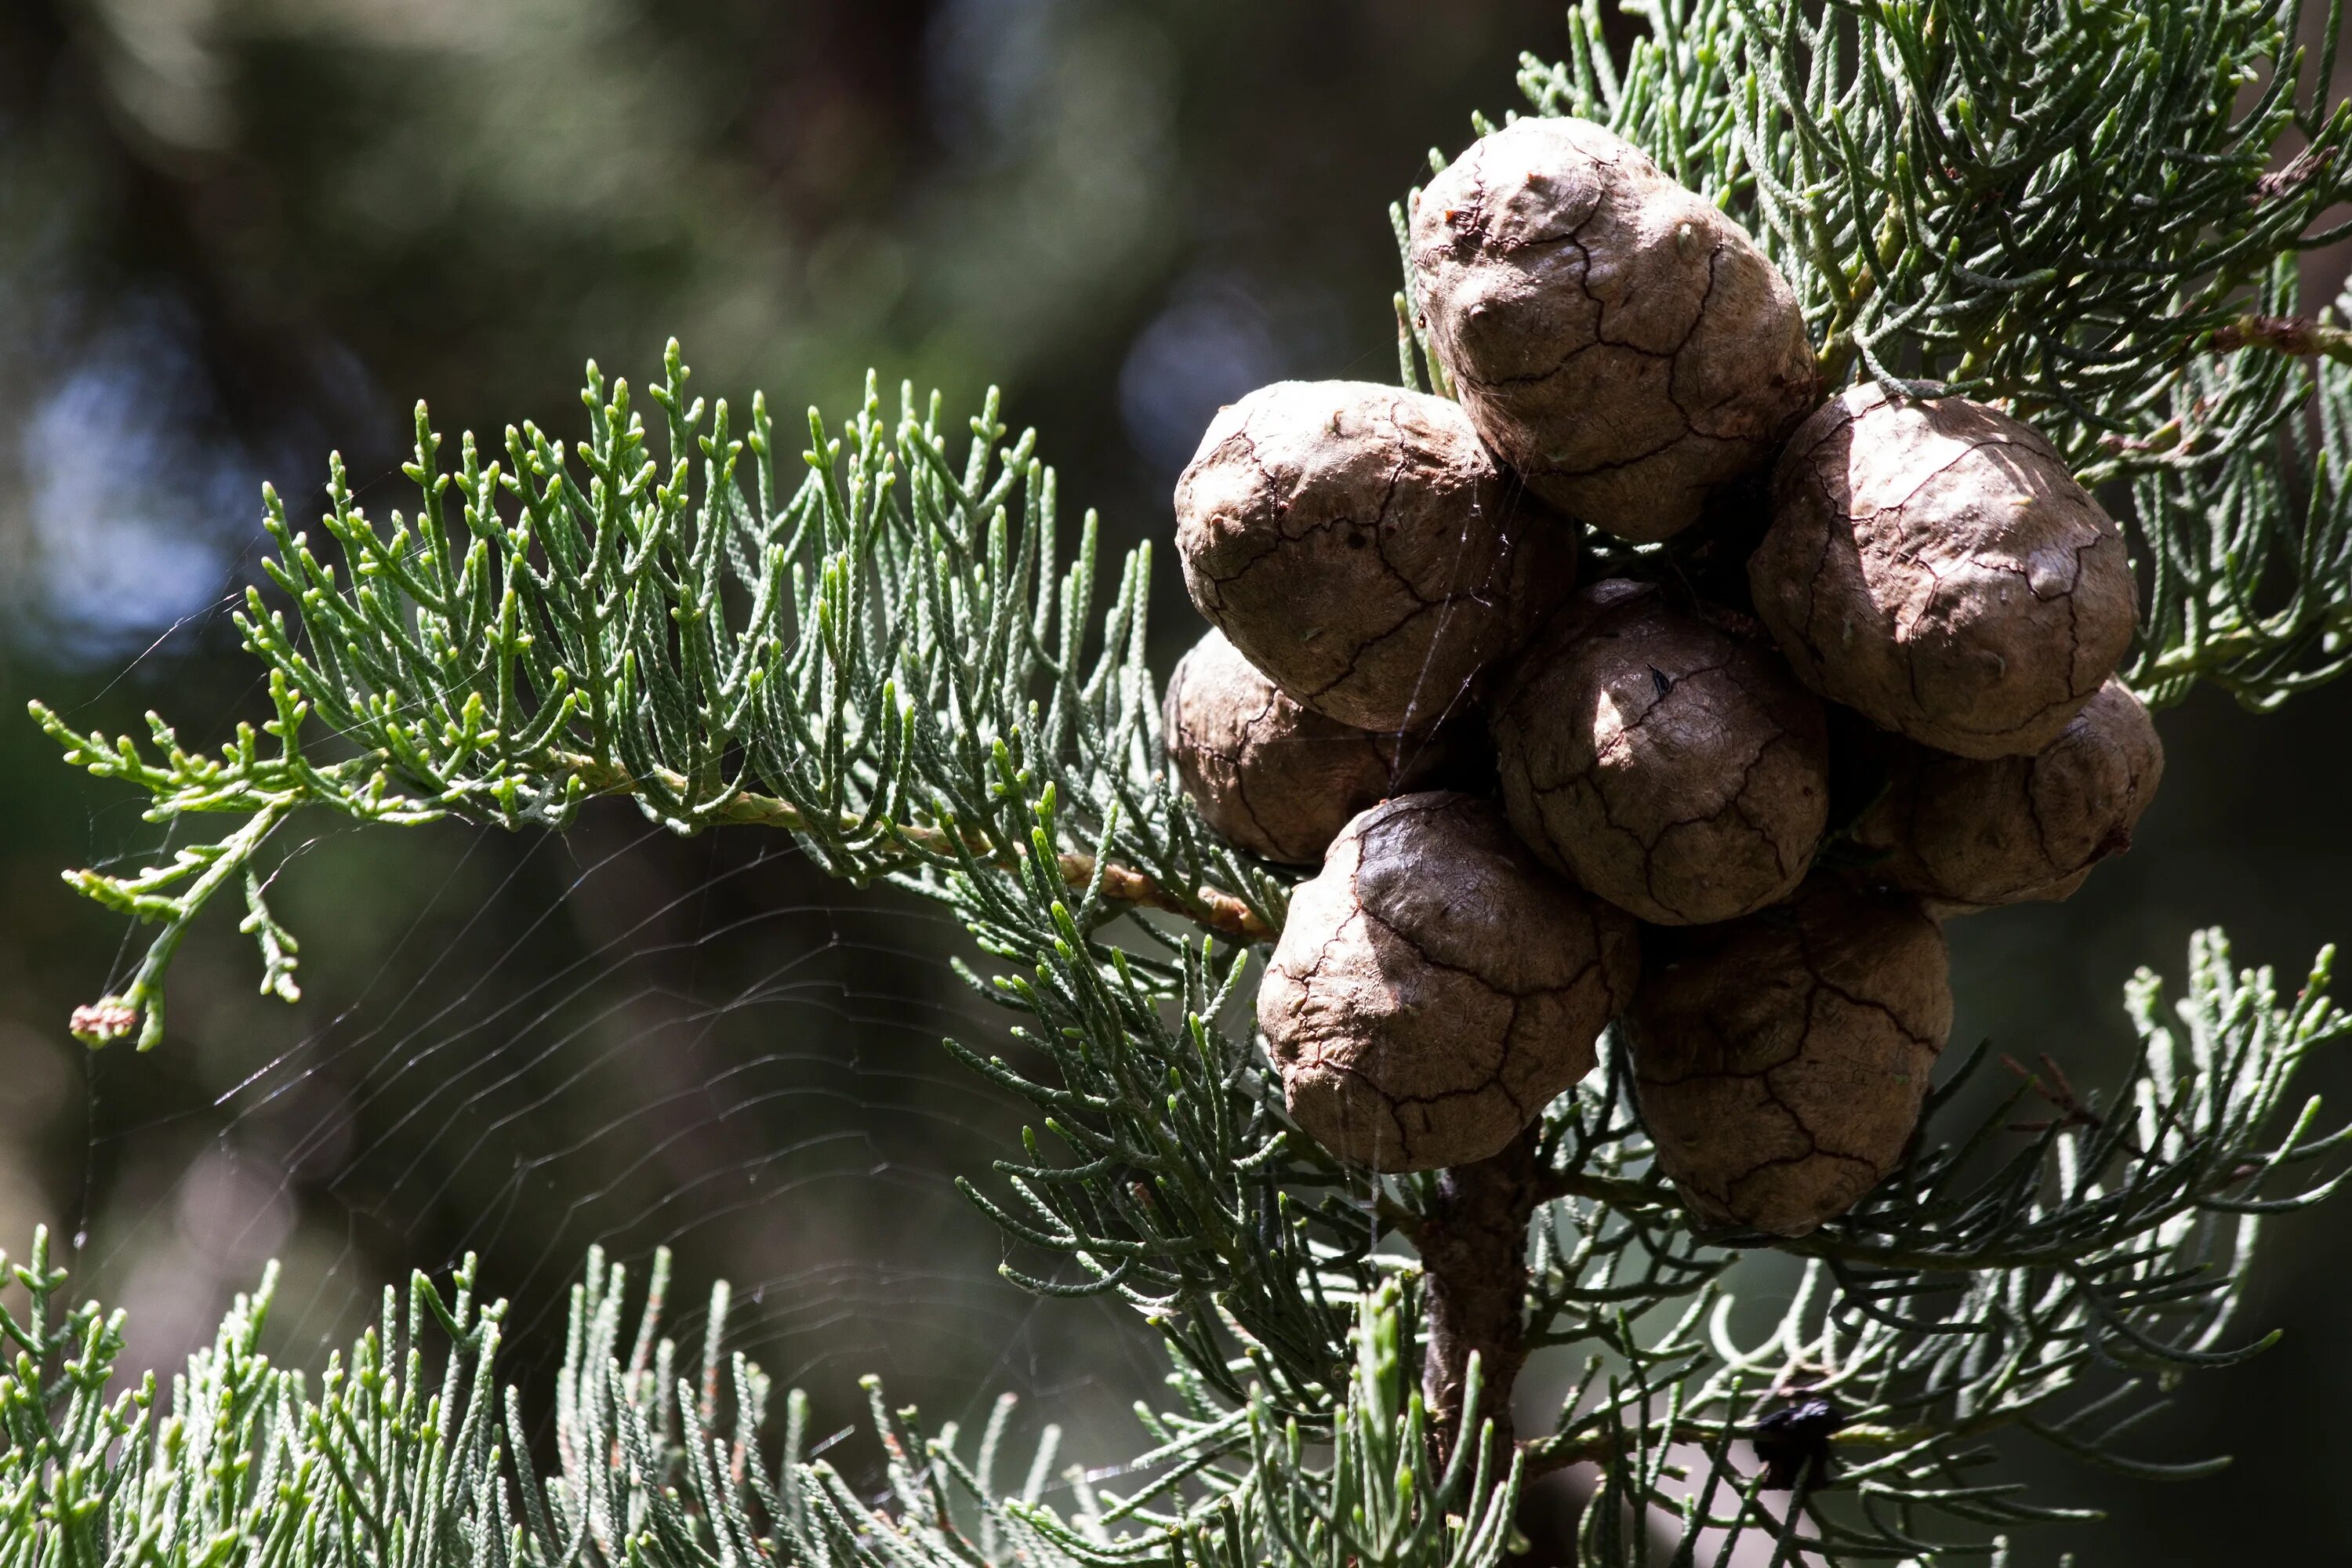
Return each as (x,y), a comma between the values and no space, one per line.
(1781,1061)
(1616,338)
(1273,778)
(1934,565)
(1673,769)
(1964,834)
(1434,988)
(1359,546)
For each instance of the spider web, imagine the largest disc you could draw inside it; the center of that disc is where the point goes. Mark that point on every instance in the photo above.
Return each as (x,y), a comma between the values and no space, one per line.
(527,1046)
(522,1046)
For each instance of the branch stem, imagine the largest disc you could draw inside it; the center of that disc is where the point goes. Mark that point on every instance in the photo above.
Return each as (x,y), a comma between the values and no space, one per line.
(1615,1191)
(1474,1255)
(1212,908)
(2297,335)
(1545,1456)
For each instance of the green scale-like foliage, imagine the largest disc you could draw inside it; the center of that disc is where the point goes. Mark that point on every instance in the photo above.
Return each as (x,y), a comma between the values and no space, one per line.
(411,1451)
(895,653)
(2053,1292)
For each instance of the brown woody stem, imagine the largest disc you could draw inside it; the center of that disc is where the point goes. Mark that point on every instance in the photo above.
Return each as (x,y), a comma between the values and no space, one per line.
(1543,1458)
(1212,908)
(2283,334)
(1473,1258)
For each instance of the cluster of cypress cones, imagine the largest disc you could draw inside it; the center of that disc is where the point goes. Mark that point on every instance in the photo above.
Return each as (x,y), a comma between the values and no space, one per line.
(1725,791)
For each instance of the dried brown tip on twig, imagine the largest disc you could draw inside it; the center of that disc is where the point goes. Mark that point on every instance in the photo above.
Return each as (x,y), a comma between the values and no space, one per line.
(1675,770)
(1617,339)
(1272,778)
(1934,565)
(1780,1060)
(1361,547)
(1967,834)
(1434,988)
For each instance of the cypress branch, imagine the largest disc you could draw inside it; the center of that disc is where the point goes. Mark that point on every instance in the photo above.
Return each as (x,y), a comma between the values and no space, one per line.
(2065,208)
(2283,335)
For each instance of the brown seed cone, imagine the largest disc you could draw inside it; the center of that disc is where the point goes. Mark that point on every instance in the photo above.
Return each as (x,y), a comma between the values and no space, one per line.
(1780,1060)
(1934,565)
(1966,834)
(1617,339)
(1273,778)
(1361,546)
(1675,770)
(1434,988)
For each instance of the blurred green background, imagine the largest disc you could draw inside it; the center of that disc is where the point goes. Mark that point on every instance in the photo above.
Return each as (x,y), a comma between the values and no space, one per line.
(237,234)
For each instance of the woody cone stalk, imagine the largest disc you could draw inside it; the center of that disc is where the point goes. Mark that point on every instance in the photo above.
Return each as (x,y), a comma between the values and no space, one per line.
(1474,1256)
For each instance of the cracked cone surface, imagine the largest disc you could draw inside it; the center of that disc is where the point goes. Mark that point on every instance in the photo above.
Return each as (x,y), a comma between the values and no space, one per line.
(1780,1060)
(1617,339)
(1935,566)
(1967,834)
(1434,987)
(1361,546)
(1675,770)
(1276,779)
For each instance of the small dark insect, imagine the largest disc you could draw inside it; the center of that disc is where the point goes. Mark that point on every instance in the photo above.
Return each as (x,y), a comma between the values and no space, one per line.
(1794,1444)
